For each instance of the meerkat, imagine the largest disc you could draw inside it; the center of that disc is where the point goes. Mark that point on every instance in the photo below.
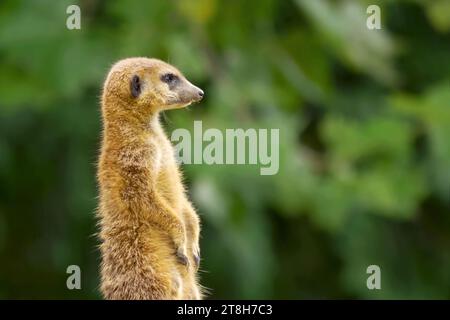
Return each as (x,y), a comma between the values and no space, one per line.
(149,230)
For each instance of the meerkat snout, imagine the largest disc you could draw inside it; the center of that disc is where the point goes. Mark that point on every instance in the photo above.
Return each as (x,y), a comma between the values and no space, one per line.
(190,93)
(182,92)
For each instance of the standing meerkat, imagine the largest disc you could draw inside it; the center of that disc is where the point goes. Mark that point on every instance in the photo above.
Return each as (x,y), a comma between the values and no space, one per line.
(149,230)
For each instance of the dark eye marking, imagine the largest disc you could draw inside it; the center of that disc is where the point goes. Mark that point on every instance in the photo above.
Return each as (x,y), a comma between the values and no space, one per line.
(169,78)
(135,86)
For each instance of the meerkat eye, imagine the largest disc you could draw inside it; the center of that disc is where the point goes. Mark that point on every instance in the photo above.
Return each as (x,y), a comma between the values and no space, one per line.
(169,78)
(135,86)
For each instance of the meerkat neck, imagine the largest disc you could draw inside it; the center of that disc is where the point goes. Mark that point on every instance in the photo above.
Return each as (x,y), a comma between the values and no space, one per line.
(123,126)
(154,124)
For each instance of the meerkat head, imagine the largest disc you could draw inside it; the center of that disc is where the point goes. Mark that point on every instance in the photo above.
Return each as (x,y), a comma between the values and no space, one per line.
(149,85)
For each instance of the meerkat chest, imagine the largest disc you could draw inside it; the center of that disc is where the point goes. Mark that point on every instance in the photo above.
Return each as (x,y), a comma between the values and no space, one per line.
(163,157)
(168,182)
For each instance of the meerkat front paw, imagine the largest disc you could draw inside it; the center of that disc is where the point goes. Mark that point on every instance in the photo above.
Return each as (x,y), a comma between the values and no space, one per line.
(192,223)
(196,255)
(181,248)
(194,246)
(182,256)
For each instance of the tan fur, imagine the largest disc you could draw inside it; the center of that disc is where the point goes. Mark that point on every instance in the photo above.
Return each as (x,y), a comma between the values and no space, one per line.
(147,224)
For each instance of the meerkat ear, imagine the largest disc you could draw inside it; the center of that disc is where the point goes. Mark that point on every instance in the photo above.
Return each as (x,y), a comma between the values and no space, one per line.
(135,86)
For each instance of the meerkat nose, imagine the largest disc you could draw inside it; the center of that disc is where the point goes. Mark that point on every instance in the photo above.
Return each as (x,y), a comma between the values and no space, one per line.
(200,93)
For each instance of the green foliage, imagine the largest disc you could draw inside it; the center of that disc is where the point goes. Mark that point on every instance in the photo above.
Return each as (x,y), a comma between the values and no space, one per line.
(364,120)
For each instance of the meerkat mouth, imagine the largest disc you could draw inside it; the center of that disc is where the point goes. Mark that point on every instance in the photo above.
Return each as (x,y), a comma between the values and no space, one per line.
(179,105)
(183,104)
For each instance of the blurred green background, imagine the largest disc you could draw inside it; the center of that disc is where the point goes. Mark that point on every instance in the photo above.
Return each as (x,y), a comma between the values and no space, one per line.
(364,120)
